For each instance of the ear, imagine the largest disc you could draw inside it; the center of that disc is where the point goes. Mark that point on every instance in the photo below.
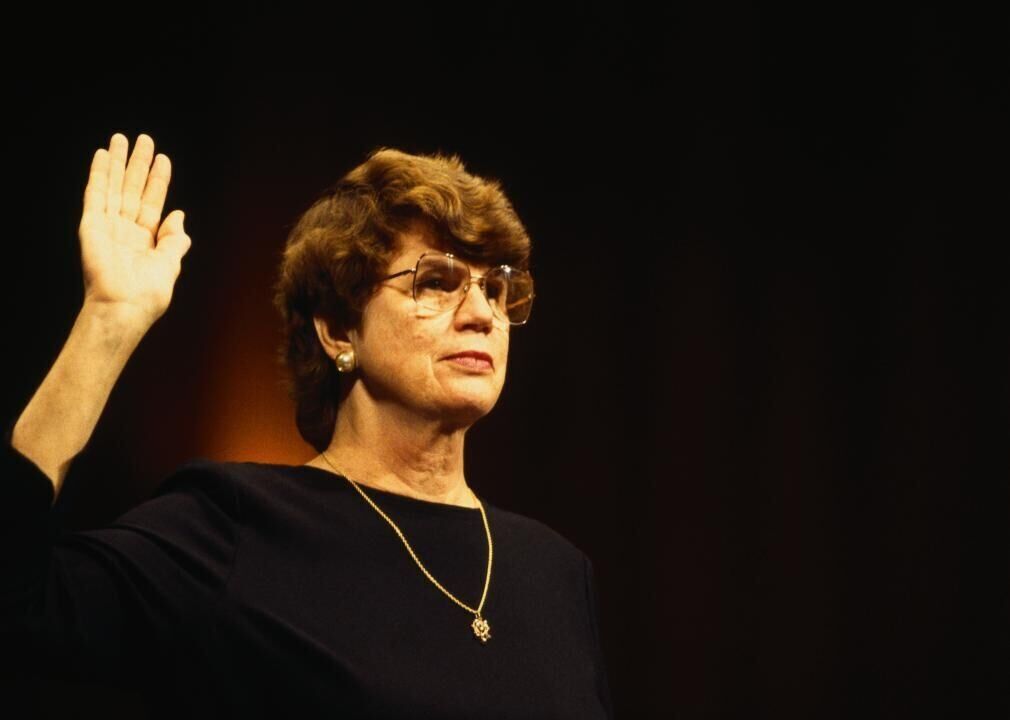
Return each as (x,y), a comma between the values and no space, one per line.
(333,342)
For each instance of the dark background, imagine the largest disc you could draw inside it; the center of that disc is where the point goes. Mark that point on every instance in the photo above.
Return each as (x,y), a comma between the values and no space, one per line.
(766,381)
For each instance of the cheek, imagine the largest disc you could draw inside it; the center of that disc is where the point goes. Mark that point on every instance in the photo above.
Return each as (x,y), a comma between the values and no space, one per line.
(416,349)
(504,345)
(423,352)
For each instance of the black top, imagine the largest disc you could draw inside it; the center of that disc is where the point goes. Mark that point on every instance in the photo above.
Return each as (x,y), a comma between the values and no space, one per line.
(264,589)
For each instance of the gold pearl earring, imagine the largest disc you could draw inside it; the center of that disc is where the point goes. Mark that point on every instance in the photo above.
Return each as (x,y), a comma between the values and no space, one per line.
(346,361)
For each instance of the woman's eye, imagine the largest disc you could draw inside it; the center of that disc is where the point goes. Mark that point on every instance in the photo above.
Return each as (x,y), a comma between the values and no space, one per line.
(431,283)
(496,290)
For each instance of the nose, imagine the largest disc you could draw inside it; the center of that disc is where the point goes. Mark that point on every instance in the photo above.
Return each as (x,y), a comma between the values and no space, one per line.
(475,308)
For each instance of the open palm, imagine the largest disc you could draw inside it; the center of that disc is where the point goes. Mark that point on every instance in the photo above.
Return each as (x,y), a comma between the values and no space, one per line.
(130,258)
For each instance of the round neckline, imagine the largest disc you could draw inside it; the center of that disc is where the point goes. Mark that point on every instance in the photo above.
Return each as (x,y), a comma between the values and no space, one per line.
(388,496)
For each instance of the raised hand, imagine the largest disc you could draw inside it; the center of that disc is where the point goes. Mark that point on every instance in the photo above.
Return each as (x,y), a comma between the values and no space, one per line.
(130,258)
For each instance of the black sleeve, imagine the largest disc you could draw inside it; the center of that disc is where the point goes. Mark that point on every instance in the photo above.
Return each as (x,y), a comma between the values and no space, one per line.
(116,603)
(593,603)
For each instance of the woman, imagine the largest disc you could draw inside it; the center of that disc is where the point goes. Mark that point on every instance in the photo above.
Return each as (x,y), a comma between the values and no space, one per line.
(370,581)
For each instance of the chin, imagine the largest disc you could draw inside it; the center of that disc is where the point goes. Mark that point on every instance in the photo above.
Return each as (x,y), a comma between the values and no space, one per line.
(467,411)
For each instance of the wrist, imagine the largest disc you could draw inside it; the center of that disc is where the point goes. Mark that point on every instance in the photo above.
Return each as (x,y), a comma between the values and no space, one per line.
(115,326)
(122,316)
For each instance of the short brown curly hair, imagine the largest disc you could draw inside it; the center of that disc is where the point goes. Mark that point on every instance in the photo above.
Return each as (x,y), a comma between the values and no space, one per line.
(342,245)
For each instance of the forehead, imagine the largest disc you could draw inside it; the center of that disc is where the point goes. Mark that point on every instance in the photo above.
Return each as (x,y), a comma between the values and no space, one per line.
(415,240)
(419,239)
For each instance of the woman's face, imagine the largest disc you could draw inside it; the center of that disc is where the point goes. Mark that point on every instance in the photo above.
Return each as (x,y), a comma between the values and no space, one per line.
(403,351)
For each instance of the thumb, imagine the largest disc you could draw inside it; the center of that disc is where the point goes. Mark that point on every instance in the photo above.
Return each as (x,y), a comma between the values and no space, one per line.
(172,238)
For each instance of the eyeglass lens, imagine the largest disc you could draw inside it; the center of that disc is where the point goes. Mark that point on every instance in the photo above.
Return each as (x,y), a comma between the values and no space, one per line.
(439,282)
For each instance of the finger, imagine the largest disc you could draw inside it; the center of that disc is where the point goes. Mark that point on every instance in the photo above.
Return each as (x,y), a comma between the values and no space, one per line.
(153,201)
(136,176)
(173,242)
(117,162)
(95,191)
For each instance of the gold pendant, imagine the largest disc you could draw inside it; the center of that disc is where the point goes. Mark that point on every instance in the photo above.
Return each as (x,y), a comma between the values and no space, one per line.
(481,629)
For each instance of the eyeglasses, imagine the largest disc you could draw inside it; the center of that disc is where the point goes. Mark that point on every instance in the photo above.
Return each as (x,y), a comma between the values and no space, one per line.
(441,282)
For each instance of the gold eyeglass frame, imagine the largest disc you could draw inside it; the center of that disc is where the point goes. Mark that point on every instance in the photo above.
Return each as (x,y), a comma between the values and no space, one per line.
(481,281)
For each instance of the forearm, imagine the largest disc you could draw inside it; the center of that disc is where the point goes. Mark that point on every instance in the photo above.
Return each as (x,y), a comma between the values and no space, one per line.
(60,418)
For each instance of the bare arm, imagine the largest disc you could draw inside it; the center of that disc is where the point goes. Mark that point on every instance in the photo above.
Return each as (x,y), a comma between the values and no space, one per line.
(131,261)
(61,416)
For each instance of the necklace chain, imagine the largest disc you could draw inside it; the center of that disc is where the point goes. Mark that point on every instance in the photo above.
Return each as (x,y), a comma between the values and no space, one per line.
(480,626)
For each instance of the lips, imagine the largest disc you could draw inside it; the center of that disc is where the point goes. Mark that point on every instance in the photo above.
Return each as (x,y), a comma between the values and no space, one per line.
(472,354)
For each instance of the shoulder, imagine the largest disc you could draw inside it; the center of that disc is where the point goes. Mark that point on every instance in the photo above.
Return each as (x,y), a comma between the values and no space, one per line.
(202,476)
(194,490)
(222,476)
(537,536)
(256,492)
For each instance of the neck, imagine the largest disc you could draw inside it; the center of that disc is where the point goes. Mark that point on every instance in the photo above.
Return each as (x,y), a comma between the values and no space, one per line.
(381,445)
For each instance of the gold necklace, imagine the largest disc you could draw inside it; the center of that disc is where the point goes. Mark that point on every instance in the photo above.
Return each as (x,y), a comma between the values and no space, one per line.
(479,625)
